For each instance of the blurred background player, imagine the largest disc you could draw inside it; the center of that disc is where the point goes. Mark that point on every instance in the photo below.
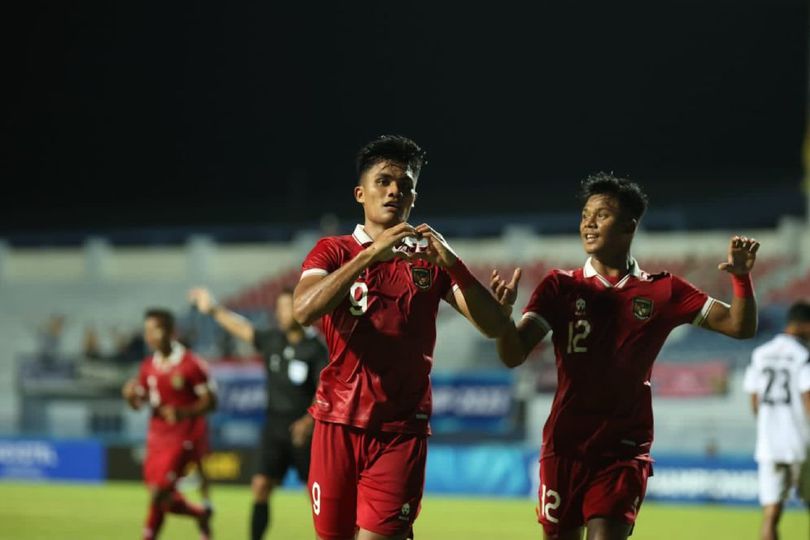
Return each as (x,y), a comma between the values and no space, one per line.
(778,380)
(293,359)
(176,385)
(608,321)
(378,295)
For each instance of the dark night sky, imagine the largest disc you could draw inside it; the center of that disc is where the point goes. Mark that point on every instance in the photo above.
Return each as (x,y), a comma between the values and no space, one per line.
(128,115)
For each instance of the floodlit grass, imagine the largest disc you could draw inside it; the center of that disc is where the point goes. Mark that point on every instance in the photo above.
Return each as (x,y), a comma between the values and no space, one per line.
(116,510)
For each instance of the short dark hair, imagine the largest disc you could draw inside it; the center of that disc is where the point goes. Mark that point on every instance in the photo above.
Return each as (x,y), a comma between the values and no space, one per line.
(163,316)
(799,312)
(630,195)
(394,148)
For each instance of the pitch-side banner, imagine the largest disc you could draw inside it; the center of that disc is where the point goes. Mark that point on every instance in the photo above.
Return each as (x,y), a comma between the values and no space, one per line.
(472,402)
(46,459)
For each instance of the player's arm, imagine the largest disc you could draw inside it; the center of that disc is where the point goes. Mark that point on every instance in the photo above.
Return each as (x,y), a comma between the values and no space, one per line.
(206,402)
(738,320)
(232,322)
(317,295)
(132,392)
(806,402)
(755,403)
(518,340)
(469,297)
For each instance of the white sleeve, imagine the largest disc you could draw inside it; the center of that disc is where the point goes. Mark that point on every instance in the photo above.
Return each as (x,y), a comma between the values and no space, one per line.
(751,379)
(803,381)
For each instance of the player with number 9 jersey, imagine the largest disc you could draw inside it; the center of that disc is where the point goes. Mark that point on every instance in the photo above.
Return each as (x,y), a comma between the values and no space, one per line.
(380,337)
(377,293)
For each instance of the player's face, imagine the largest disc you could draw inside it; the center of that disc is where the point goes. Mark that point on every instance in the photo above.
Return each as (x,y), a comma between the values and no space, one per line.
(154,334)
(603,228)
(387,192)
(284,312)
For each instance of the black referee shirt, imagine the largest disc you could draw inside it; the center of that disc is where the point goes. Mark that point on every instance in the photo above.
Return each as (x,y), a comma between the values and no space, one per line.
(292,371)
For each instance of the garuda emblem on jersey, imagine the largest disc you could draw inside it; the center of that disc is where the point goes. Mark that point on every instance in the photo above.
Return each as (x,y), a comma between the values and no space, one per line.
(642,308)
(422,277)
(177,381)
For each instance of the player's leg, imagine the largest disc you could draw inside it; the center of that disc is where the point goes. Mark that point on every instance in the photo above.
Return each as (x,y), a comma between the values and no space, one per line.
(613,498)
(158,500)
(333,480)
(177,461)
(392,479)
(274,460)
(774,485)
(608,529)
(157,476)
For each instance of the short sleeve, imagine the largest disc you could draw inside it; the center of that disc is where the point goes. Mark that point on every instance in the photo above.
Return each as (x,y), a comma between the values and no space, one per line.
(688,303)
(199,378)
(142,375)
(261,340)
(323,259)
(803,381)
(750,380)
(541,306)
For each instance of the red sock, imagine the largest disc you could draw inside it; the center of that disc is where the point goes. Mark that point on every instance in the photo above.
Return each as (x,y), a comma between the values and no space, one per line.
(180,505)
(154,520)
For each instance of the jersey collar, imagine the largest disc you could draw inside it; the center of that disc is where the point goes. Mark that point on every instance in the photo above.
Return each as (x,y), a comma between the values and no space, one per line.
(589,271)
(174,357)
(361,236)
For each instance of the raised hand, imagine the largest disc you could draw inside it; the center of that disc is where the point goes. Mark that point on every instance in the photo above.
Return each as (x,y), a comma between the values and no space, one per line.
(202,299)
(438,251)
(383,246)
(742,253)
(505,293)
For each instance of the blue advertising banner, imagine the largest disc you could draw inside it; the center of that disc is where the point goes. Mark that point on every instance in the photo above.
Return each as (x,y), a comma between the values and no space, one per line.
(241,392)
(43,459)
(472,402)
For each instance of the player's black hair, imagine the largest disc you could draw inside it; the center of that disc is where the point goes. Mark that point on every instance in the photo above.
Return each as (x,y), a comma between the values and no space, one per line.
(630,195)
(394,148)
(163,316)
(799,312)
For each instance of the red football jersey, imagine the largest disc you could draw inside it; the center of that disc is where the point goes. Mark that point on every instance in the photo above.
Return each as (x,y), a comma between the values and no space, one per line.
(380,339)
(177,380)
(606,338)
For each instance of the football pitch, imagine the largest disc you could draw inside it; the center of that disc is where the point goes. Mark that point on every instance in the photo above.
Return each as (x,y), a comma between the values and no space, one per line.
(115,511)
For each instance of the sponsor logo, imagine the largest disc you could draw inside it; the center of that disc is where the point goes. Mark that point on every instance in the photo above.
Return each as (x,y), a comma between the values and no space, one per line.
(405,512)
(580,306)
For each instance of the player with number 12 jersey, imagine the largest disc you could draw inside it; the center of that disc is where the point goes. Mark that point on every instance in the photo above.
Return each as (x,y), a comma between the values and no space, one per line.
(608,320)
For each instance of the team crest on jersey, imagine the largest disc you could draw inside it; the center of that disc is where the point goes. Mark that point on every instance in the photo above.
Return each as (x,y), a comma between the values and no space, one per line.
(177,381)
(422,277)
(642,308)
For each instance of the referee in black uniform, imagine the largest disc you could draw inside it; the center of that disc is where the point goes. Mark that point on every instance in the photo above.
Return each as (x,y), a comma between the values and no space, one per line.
(293,359)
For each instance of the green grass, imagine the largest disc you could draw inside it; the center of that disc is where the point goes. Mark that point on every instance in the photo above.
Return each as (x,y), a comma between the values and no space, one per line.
(115,511)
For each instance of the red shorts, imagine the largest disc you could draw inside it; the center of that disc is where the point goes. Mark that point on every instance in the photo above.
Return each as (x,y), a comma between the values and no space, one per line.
(167,461)
(574,491)
(370,480)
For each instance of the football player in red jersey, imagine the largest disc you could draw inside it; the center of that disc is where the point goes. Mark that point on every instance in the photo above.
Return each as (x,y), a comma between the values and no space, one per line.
(176,385)
(378,292)
(608,321)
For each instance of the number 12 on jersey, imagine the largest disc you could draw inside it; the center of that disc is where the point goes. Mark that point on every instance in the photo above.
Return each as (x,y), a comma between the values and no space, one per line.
(577,332)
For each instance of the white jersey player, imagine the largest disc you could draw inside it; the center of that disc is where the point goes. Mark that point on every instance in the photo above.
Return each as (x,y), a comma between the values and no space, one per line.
(778,380)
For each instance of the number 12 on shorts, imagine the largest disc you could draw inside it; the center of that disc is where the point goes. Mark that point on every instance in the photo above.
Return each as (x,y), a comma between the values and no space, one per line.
(549,500)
